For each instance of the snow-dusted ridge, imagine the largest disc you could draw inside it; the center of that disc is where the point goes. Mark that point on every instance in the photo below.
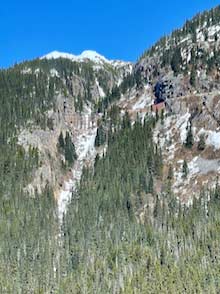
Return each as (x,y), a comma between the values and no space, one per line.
(84,56)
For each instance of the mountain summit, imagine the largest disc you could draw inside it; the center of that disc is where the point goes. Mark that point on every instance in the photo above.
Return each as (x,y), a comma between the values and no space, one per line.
(85,55)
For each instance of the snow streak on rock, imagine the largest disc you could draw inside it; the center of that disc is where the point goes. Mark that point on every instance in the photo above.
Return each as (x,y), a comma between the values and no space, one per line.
(86,152)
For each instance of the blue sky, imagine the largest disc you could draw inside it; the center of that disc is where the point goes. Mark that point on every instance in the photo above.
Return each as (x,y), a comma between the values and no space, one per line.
(117,29)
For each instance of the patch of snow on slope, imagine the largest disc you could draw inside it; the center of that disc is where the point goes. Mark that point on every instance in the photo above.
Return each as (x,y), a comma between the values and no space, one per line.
(85,147)
(213,30)
(182,122)
(213,139)
(54,72)
(101,92)
(193,166)
(64,198)
(142,102)
(85,150)
(26,70)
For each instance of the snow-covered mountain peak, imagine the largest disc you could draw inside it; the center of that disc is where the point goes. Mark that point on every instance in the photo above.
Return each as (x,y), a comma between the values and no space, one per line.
(57,54)
(88,55)
(85,55)
(93,55)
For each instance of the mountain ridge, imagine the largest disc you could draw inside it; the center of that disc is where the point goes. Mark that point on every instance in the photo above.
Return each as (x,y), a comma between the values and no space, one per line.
(109,174)
(84,56)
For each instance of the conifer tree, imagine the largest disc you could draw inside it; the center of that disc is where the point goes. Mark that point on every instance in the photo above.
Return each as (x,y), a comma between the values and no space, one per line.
(69,150)
(189,137)
(201,143)
(170,173)
(193,77)
(185,169)
(61,141)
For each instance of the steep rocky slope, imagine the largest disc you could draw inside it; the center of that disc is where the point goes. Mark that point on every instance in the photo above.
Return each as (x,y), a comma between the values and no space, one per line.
(182,71)
(128,144)
(83,82)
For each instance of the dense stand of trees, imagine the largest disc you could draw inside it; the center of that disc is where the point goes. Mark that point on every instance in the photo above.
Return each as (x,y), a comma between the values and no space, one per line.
(121,236)
(28,226)
(67,148)
(169,48)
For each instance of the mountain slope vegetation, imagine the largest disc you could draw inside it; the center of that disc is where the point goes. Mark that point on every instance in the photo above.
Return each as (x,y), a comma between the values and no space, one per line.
(128,227)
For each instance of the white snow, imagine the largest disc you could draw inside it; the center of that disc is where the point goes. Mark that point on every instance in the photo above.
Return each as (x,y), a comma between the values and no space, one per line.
(182,122)
(101,92)
(184,39)
(213,139)
(85,150)
(143,102)
(200,36)
(85,55)
(64,198)
(139,104)
(193,167)
(90,55)
(85,146)
(213,30)
(26,70)
(54,72)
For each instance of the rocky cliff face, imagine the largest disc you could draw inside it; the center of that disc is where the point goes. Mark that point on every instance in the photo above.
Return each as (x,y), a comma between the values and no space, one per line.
(182,71)
(83,82)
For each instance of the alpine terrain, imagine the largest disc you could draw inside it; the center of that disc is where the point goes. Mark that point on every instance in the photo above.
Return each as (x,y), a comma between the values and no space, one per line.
(109,178)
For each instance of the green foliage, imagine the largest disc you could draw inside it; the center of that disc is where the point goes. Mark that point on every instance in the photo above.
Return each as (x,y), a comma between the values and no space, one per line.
(67,148)
(28,227)
(185,169)
(164,252)
(162,116)
(61,142)
(193,77)
(189,137)
(100,136)
(168,48)
(201,143)
(170,173)
(176,61)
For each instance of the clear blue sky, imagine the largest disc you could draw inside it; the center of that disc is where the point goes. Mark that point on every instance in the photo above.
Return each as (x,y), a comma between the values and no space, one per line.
(118,29)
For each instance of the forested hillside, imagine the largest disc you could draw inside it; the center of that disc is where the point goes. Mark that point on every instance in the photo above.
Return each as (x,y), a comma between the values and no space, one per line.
(30,231)
(121,237)
(109,172)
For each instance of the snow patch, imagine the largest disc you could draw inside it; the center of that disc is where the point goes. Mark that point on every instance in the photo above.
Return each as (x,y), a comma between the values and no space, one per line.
(213,139)
(182,125)
(54,72)
(85,55)
(26,70)
(143,102)
(213,30)
(101,92)
(85,149)
(193,166)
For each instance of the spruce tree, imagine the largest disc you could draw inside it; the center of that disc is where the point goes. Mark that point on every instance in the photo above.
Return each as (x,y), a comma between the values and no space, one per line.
(61,141)
(185,169)
(170,173)
(189,137)
(176,61)
(69,150)
(201,143)
(193,77)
